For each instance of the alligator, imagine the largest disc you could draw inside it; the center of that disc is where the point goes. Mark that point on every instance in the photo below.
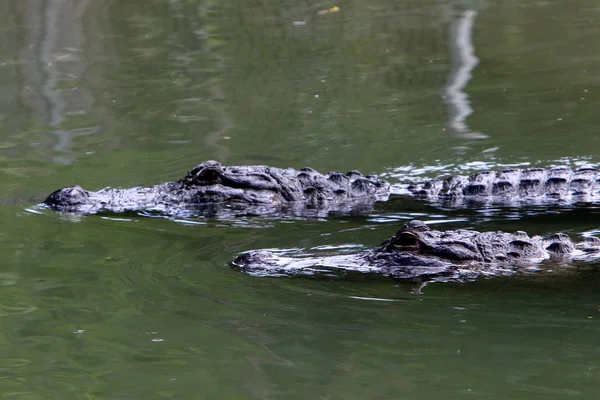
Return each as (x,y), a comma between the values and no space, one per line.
(419,253)
(214,189)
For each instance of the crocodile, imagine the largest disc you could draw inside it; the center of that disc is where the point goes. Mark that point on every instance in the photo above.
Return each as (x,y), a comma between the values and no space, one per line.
(213,189)
(418,253)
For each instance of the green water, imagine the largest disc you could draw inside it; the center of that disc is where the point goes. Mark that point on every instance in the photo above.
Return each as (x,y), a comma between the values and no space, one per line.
(124,93)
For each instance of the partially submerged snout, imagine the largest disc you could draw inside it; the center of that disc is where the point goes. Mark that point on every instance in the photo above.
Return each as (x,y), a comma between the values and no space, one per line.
(66,197)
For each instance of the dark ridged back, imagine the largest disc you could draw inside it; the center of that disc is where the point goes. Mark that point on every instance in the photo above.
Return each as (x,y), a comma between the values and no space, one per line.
(531,182)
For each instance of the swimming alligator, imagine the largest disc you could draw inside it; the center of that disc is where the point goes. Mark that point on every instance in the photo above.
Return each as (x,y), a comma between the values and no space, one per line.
(214,189)
(417,252)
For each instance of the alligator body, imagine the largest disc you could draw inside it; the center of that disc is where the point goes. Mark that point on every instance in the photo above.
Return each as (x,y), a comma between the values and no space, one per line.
(417,252)
(513,186)
(213,189)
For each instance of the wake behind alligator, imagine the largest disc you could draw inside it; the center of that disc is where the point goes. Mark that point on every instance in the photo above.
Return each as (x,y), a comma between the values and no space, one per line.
(418,253)
(211,189)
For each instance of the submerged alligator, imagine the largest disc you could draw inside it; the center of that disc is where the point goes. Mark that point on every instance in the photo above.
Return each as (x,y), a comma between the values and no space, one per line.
(214,189)
(418,253)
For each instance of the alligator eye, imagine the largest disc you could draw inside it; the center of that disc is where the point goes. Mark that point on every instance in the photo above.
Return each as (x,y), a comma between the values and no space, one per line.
(68,196)
(406,239)
(208,175)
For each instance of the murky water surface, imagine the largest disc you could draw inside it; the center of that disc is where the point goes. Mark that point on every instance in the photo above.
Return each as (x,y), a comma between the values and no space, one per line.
(124,93)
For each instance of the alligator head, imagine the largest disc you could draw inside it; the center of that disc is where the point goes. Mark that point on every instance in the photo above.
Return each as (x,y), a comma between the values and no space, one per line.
(408,255)
(211,188)
(207,184)
(419,252)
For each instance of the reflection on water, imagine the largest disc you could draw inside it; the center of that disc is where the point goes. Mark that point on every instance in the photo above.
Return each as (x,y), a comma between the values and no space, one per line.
(463,62)
(62,60)
(51,56)
(180,82)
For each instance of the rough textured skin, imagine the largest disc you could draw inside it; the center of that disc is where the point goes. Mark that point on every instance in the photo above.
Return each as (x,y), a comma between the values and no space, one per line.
(513,186)
(211,188)
(417,252)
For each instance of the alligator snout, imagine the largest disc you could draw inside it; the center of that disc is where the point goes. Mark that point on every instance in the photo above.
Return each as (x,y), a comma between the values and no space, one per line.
(69,196)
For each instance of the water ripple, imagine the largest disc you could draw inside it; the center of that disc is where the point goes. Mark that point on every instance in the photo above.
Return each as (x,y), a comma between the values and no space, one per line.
(412,172)
(8,310)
